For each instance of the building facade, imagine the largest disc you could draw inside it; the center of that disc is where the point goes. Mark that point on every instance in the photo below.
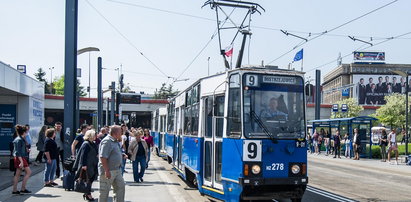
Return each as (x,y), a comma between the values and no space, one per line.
(368,83)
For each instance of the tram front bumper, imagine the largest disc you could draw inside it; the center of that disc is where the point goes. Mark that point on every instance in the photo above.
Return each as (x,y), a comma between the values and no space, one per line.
(270,188)
(274,181)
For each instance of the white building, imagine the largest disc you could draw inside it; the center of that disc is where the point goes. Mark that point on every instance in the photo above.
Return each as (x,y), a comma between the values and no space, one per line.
(21,102)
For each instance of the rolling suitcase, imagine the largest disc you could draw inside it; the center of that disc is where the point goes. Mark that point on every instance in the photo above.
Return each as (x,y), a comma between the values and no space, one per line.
(68,180)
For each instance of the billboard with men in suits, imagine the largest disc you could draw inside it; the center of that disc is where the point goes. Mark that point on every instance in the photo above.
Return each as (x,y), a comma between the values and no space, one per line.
(371,89)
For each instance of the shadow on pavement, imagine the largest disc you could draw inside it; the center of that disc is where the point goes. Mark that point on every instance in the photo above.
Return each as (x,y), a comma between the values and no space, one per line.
(150,183)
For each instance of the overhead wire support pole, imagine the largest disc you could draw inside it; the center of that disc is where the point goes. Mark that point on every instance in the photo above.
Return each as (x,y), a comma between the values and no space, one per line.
(252,8)
(355,39)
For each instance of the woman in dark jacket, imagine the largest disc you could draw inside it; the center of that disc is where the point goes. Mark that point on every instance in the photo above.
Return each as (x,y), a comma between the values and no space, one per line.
(87,160)
(40,144)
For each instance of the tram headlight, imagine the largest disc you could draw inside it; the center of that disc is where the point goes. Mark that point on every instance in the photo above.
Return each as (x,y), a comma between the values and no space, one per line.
(256,169)
(295,169)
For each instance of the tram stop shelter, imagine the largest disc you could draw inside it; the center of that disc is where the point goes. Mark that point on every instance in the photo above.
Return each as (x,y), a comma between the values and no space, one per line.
(347,125)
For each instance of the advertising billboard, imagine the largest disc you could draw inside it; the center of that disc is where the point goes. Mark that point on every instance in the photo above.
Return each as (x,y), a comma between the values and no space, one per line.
(371,89)
(7,123)
(360,56)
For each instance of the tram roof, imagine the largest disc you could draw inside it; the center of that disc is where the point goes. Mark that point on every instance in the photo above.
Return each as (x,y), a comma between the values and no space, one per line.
(358,118)
(267,69)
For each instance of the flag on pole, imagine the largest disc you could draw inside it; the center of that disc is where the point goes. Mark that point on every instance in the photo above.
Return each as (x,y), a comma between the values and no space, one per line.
(299,55)
(229,50)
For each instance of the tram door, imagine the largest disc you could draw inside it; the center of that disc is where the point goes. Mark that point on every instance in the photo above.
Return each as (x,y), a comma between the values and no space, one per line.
(214,119)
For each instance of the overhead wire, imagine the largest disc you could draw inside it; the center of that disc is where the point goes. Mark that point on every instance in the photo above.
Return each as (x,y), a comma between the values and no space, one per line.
(127,40)
(337,27)
(316,35)
(254,26)
(360,49)
(162,10)
(209,41)
(139,73)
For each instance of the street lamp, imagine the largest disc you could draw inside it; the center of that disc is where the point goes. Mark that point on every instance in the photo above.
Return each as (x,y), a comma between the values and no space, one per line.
(51,79)
(405,74)
(84,50)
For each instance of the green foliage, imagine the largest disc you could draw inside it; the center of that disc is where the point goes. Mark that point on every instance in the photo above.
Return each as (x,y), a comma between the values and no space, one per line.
(353,109)
(127,89)
(165,92)
(59,87)
(393,113)
(40,77)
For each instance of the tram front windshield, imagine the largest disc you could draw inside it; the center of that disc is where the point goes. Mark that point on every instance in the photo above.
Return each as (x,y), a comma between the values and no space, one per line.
(273,107)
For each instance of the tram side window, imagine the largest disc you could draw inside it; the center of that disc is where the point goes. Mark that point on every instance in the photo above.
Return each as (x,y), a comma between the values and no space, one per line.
(161,123)
(195,110)
(156,122)
(234,107)
(194,119)
(170,122)
(209,119)
(187,121)
(187,114)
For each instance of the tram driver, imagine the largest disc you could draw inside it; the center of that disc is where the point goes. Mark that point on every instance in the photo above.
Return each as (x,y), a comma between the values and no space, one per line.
(273,113)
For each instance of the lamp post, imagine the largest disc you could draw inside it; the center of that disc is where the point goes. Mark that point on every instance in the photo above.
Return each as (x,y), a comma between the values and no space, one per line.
(51,79)
(405,74)
(118,76)
(89,50)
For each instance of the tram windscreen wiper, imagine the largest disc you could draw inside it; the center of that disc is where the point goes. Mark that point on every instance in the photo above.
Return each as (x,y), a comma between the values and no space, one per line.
(261,124)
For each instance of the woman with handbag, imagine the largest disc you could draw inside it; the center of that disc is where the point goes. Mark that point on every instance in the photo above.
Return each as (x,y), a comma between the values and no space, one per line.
(86,165)
(139,150)
(20,162)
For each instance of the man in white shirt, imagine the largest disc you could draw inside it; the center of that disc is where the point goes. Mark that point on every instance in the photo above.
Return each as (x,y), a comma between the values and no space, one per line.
(392,142)
(356,144)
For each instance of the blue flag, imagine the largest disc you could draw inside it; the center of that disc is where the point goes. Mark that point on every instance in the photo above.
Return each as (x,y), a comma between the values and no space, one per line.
(299,55)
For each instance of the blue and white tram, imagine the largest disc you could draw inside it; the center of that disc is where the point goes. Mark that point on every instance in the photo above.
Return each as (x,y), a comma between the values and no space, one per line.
(240,135)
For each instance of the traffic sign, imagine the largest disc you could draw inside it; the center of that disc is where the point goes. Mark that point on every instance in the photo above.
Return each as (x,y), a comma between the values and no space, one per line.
(335,108)
(344,107)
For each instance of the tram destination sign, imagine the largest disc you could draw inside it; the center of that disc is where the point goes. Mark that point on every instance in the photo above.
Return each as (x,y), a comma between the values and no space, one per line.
(279,79)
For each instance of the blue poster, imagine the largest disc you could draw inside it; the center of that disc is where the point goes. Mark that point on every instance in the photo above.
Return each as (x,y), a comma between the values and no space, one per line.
(346,92)
(7,123)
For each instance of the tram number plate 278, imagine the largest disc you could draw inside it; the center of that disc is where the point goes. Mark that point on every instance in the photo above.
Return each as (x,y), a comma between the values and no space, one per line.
(252,150)
(275,166)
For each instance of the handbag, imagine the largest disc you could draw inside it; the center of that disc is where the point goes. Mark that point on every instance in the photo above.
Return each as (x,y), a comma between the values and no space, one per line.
(82,184)
(11,165)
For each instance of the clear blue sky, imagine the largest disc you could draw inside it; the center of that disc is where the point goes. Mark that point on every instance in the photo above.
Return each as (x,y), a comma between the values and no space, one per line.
(32,33)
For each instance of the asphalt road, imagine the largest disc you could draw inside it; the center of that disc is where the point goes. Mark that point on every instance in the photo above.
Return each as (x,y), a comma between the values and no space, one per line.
(364,180)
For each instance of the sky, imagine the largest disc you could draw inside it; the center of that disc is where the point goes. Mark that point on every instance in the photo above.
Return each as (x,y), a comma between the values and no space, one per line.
(170,41)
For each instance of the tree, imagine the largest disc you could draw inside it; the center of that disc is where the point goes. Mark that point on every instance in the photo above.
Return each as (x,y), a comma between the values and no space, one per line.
(393,112)
(353,109)
(165,92)
(40,77)
(59,87)
(127,89)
